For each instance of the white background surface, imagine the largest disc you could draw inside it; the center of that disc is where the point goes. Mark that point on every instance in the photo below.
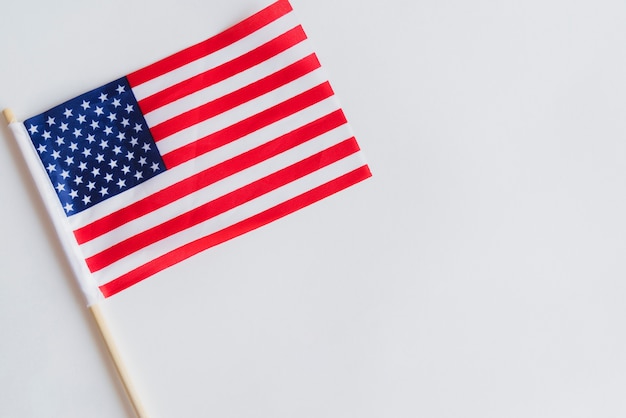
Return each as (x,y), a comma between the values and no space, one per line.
(479,273)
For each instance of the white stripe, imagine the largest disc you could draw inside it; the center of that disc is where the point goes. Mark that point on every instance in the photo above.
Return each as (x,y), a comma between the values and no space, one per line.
(238,214)
(229,85)
(250,42)
(204,161)
(218,189)
(241,112)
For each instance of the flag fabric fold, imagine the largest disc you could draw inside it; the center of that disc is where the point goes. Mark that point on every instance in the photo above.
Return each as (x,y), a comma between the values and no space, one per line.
(196,149)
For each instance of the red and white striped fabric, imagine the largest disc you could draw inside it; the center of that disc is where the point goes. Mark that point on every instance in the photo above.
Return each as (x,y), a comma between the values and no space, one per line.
(249,131)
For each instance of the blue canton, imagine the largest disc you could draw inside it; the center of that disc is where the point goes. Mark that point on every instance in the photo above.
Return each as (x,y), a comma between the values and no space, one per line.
(95,146)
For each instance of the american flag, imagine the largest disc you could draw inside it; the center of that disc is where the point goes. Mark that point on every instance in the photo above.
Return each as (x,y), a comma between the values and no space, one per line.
(200,147)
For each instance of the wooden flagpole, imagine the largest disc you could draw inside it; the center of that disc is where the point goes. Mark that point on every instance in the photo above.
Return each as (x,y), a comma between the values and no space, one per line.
(106,335)
(8,115)
(131,393)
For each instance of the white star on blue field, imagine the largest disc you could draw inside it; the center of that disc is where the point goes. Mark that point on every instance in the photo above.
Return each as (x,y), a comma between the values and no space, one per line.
(95,146)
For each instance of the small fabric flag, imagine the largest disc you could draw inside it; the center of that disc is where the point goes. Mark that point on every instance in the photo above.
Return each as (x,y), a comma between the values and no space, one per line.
(200,147)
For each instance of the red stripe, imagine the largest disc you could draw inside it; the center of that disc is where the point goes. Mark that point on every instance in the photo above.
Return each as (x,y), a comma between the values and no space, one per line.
(207,177)
(247,126)
(236,98)
(247,225)
(215,43)
(222,204)
(222,72)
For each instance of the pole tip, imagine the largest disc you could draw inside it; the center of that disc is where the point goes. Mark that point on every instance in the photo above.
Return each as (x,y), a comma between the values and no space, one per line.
(8,115)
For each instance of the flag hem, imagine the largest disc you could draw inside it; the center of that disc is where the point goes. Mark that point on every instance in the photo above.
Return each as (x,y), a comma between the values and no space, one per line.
(56,213)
